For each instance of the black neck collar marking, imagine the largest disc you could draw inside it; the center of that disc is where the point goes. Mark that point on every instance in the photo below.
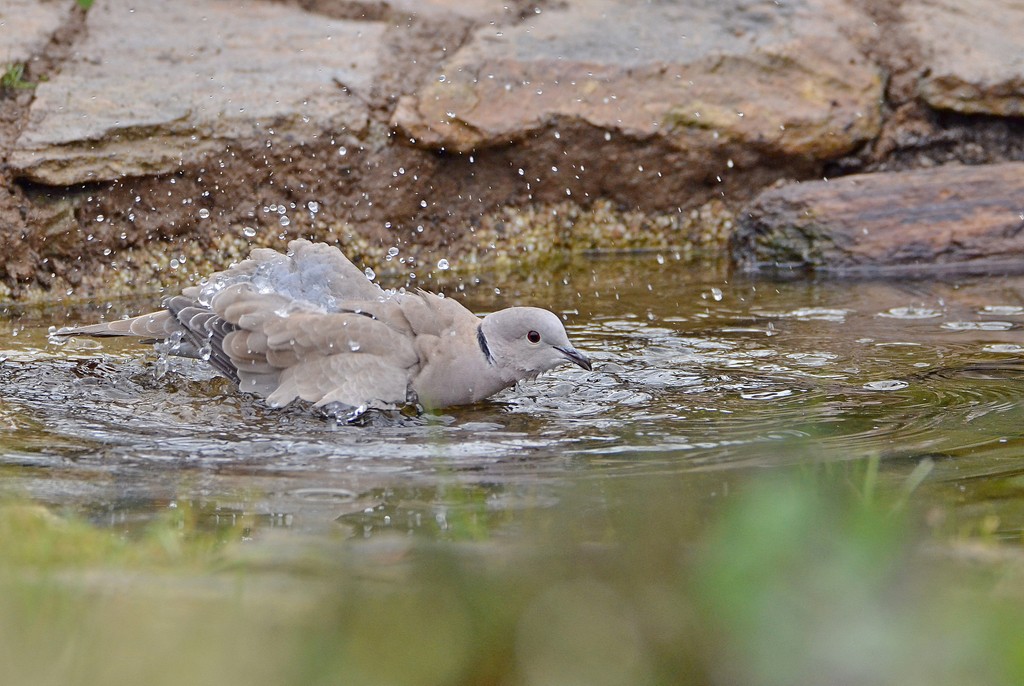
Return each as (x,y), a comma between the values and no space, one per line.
(482,340)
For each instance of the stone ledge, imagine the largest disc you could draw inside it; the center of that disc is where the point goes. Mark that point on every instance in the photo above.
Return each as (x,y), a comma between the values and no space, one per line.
(155,86)
(948,219)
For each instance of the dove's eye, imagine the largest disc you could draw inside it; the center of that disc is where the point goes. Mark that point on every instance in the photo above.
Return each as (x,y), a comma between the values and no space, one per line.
(533,337)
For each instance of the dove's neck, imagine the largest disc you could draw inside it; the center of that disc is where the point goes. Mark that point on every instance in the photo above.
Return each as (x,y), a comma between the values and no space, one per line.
(497,353)
(460,370)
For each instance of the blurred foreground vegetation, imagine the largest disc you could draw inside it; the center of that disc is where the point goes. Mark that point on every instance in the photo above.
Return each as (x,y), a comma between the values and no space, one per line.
(821,575)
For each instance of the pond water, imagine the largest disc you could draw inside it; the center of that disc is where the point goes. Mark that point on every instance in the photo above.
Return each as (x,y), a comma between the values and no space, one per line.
(695,370)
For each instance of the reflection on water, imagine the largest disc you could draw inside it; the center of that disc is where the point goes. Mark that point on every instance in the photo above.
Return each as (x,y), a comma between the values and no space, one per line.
(694,370)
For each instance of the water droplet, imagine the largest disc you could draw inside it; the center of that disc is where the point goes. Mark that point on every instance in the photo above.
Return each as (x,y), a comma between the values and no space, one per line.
(204,213)
(342,151)
(392,252)
(285,221)
(977,326)
(911,312)
(313,206)
(716,293)
(1002,310)
(766,395)
(423,203)
(161,366)
(1003,348)
(886,385)
(370,274)
(443,264)
(248,231)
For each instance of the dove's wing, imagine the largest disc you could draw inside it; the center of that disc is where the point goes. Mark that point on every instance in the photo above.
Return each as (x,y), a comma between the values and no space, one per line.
(316,273)
(283,350)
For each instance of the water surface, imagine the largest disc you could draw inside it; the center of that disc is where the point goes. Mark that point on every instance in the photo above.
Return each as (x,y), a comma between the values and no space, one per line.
(695,370)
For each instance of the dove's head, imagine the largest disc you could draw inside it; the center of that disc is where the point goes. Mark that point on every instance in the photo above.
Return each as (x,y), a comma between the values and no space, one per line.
(526,341)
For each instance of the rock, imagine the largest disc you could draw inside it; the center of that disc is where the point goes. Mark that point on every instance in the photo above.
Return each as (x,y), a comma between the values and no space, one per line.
(194,124)
(153,86)
(25,26)
(497,11)
(779,80)
(952,218)
(973,61)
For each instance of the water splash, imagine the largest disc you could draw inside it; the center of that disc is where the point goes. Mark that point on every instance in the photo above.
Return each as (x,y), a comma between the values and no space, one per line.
(678,385)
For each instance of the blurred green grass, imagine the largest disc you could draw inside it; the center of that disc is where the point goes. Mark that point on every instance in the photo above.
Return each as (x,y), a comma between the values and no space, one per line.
(817,575)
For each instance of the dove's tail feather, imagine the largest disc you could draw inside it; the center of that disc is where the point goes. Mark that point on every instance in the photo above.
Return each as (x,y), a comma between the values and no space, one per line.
(202,334)
(154,326)
(195,332)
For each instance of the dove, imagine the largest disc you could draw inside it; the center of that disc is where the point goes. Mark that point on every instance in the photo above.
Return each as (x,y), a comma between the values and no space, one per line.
(309,325)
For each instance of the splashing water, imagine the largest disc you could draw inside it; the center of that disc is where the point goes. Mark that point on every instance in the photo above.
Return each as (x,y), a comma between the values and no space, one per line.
(761,376)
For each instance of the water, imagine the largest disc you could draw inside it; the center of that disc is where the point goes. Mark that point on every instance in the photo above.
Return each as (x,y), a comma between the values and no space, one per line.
(695,370)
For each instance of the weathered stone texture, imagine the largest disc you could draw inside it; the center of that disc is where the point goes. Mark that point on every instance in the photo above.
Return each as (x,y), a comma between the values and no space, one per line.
(953,218)
(779,77)
(154,85)
(26,25)
(189,120)
(973,54)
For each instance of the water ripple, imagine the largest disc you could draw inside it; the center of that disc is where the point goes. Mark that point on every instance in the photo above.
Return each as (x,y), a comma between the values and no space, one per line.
(764,376)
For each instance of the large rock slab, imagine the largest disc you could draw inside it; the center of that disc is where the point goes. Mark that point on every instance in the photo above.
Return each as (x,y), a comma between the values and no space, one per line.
(154,85)
(26,26)
(776,78)
(972,54)
(953,218)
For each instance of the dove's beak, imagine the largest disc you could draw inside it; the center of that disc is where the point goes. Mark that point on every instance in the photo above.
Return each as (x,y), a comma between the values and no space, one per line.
(576,357)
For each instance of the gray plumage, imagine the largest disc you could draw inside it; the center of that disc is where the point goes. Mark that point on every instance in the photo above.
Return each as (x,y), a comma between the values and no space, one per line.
(309,325)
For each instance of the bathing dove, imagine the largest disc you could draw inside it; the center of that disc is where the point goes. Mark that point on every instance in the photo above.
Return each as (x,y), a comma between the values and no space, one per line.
(310,325)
